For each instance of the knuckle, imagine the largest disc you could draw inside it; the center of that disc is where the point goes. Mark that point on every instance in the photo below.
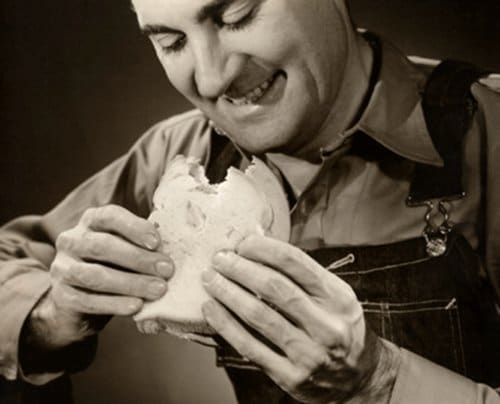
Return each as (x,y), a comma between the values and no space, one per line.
(95,248)
(137,286)
(127,306)
(258,315)
(99,217)
(57,268)
(295,379)
(62,269)
(316,282)
(277,288)
(337,337)
(285,294)
(90,306)
(245,351)
(65,241)
(88,217)
(106,213)
(289,255)
(343,330)
(140,260)
(90,278)
(283,256)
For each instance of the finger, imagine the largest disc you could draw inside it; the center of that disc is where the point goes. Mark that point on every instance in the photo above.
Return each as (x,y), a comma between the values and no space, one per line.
(292,262)
(99,278)
(295,343)
(277,367)
(110,249)
(70,298)
(281,292)
(118,220)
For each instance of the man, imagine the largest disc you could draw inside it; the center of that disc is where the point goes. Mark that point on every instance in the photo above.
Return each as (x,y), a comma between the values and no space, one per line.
(339,118)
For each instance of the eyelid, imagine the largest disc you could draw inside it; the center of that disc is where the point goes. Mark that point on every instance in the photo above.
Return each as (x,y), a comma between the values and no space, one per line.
(234,14)
(167,39)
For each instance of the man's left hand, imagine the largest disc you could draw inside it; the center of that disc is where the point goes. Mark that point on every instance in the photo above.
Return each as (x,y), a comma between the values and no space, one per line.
(317,345)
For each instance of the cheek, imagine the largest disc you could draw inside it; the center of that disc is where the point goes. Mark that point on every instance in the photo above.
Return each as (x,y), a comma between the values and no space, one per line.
(272,42)
(178,71)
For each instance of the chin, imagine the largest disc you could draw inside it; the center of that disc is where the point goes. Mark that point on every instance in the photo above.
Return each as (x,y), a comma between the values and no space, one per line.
(264,142)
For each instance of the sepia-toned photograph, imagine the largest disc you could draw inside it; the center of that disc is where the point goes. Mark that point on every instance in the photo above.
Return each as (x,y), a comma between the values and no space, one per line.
(250,202)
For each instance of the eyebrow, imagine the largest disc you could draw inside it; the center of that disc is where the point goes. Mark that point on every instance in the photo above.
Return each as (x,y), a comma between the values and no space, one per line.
(215,8)
(149,29)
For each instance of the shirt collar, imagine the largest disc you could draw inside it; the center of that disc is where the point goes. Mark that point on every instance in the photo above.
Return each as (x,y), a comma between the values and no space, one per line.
(393,116)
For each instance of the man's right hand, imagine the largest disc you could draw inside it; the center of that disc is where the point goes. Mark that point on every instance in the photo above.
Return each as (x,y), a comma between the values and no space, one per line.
(106,265)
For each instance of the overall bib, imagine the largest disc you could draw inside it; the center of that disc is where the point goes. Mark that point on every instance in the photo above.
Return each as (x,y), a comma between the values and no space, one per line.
(424,294)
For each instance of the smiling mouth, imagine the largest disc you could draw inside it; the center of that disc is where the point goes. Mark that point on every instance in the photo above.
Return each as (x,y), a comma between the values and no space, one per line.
(254,95)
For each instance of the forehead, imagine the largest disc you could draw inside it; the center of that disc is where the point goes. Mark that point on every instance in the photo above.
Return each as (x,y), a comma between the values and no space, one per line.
(159,11)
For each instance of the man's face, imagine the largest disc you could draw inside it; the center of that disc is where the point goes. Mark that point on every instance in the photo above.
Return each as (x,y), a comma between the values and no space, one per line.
(265,71)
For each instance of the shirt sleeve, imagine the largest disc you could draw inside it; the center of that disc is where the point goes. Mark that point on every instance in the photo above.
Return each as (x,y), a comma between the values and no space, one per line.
(27,243)
(421,381)
(488,99)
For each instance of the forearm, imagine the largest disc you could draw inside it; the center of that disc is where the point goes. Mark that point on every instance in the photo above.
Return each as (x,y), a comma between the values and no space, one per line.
(421,381)
(402,377)
(29,347)
(23,282)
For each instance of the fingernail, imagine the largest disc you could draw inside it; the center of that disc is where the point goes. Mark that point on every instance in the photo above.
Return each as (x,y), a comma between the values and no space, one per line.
(208,276)
(164,268)
(151,241)
(157,288)
(135,306)
(221,258)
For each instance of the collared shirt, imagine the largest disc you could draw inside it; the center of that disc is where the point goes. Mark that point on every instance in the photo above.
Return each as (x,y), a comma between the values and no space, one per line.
(345,200)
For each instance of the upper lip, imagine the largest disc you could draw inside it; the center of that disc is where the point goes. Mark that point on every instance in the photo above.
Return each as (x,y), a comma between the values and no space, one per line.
(248,81)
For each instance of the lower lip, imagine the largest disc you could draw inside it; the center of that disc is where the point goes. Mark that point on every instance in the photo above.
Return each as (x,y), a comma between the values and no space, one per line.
(273,94)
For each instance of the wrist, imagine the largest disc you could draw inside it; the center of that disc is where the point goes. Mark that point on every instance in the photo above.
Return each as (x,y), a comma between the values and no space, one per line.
(47,344)
(379,385)
(45,327)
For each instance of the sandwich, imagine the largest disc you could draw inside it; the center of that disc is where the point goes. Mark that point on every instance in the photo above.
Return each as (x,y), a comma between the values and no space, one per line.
(196,219)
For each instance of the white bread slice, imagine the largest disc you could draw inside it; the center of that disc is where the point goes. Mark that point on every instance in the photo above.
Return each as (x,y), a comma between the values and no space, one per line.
(196,219)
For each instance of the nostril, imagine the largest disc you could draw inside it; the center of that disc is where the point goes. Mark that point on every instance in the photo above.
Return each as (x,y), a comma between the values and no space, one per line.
(210,84)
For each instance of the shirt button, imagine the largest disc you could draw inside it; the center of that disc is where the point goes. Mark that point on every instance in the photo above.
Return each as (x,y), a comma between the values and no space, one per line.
(304,207)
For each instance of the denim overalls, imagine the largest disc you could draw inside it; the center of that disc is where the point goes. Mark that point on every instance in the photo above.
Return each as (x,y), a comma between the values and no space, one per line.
(424,294)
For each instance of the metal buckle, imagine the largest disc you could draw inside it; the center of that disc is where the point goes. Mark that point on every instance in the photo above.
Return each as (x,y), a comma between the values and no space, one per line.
(436,235)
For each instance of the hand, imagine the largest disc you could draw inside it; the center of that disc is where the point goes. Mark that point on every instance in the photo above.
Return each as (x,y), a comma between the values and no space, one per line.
(320,347)
(106,265)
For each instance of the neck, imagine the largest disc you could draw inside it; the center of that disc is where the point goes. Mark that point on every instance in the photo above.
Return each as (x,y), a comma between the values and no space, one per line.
(349,101)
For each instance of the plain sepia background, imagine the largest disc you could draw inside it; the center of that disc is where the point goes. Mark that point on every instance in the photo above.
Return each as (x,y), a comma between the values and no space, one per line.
(79,84)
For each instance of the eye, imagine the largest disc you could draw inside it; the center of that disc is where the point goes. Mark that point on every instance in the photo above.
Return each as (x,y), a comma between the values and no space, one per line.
(239,16)
(171,42)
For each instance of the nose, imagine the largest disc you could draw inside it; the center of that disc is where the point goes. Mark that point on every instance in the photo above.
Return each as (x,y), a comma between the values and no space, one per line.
(213,70)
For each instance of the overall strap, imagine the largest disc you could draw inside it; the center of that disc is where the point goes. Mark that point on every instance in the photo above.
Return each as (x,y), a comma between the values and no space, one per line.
(448,107)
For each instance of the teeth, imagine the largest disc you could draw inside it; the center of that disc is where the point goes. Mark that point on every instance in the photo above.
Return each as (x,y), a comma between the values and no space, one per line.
(252,96)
